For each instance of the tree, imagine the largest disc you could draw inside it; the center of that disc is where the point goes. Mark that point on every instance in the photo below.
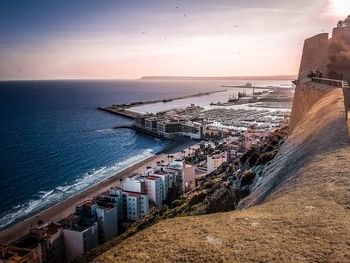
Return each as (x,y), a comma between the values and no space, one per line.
(345,22)
(174,192)
(339,55)
(340,23)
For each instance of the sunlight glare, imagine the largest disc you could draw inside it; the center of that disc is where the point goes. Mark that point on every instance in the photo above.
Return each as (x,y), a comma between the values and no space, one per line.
(341,7)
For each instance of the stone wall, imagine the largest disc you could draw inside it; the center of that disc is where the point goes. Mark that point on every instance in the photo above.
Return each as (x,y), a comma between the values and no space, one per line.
(341,33)
(306,94)
(315,55)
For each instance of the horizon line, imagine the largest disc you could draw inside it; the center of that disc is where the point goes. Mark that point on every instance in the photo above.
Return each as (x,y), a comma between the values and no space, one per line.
(243,77)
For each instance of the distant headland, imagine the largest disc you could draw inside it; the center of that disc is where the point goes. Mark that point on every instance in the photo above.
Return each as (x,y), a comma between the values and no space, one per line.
(278,77)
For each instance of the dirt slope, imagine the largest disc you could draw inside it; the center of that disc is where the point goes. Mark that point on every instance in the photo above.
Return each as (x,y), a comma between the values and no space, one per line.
(299,211)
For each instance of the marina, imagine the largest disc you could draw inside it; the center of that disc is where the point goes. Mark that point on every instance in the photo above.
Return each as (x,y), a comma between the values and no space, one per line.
(256,87)
(264,109)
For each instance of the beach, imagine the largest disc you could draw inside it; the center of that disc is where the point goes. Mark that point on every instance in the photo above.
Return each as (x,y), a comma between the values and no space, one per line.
(67,207)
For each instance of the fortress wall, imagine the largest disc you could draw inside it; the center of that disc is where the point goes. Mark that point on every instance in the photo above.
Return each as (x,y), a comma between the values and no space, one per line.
(320,127)
(341,33)
(315,55)
(305,96)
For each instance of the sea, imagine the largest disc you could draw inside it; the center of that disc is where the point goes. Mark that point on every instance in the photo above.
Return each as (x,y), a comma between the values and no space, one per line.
(54,143)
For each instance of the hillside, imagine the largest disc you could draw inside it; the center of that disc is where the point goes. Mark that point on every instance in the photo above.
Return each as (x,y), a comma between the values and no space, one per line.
(298,210)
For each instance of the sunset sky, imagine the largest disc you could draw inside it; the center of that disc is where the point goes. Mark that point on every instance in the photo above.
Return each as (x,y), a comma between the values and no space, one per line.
(128,39)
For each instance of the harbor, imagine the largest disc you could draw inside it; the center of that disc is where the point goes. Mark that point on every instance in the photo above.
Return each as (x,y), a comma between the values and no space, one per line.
(256,87)
(232,113)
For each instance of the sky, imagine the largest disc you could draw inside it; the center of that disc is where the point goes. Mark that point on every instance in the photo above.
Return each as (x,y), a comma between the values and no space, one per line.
(105,39)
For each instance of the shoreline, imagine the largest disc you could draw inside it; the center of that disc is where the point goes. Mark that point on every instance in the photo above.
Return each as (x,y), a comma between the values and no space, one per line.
(66,207)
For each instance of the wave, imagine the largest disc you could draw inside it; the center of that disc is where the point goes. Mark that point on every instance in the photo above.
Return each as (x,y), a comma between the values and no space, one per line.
(45,199)
(106,131)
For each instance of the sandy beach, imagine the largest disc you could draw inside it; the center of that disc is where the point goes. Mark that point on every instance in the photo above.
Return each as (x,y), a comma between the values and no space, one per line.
(66,207)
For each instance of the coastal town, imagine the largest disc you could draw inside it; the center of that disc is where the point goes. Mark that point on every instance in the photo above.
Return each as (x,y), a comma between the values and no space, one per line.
(219,135)
(226,150)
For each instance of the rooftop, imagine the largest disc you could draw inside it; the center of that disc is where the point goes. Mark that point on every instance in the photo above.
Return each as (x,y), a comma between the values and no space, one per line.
(153,178)
(129,193)
(14,254)
(133,195)
(89,202)
(46,231)
(73,222)
(26,242)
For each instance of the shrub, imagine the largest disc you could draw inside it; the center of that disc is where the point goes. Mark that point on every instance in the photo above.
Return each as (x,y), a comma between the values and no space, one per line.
(247,178)
(197,198)
(266,157)
(222,200)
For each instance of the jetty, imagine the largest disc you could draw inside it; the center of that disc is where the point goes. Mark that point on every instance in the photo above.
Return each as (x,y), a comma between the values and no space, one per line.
(122,109)
(256,87)
(121,112)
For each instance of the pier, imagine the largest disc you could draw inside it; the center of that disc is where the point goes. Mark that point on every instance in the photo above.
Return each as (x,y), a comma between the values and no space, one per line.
(122,109)
(121,112)
(255,87)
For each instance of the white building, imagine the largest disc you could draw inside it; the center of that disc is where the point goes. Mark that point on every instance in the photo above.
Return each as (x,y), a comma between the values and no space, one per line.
(117,194)
(107,219)
(131,205)
(137,205)
(165,182)
(215,160)
(155,189)
(134,184)
(177,164)
(79,239)
(193,130)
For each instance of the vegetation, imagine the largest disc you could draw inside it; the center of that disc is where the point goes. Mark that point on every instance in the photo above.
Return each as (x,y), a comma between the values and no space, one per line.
(345,22)
(339,56)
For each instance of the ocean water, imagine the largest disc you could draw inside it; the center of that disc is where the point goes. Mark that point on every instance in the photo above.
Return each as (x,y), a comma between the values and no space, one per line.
(54,143)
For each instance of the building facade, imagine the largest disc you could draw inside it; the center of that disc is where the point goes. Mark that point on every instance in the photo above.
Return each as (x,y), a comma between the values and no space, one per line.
(215,160)
(155,190)
(107,219)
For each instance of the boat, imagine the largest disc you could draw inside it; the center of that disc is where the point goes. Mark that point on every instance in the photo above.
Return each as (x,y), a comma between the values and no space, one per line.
(242,94)
(233,98)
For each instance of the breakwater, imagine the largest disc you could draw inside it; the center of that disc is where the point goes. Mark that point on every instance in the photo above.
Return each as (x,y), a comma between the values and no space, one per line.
(122,109)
